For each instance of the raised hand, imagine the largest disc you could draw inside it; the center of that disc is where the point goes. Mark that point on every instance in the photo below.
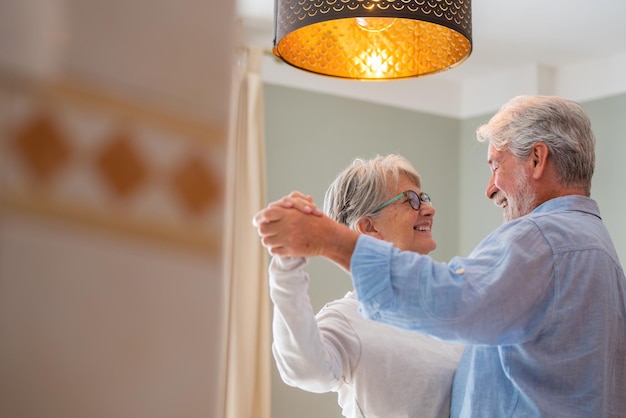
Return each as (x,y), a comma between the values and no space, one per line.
(297,200)
(288,229)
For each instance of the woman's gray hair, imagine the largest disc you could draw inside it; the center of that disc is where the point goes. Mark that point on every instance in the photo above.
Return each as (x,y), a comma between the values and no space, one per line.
(364,185)
(561,124)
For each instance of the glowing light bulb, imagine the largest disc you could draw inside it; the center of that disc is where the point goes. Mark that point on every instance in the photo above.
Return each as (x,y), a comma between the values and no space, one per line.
(375,64)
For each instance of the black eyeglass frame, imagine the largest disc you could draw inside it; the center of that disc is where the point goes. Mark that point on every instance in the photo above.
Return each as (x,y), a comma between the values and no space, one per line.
(411,196)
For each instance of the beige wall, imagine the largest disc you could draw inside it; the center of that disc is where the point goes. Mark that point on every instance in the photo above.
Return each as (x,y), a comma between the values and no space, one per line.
(93,324)
(113,127)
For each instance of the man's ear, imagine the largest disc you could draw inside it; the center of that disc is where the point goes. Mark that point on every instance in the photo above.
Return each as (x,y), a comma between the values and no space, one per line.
(539,159)
(366,226)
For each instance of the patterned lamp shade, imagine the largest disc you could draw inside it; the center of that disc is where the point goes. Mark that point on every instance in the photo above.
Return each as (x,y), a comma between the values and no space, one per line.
(373,39)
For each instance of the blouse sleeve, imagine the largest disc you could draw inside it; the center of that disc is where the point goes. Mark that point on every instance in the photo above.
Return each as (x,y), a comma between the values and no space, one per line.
(312,353)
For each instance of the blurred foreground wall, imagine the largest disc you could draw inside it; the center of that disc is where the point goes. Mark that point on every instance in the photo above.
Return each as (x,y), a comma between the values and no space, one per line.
(113,120)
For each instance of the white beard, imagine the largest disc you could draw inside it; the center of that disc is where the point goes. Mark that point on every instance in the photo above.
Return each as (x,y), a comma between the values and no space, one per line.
(524,201)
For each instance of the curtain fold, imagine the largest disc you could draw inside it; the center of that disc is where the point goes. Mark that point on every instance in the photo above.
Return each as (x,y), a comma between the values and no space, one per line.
(246,384)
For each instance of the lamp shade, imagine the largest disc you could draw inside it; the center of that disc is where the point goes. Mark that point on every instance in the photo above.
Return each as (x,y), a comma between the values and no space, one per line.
(373,39)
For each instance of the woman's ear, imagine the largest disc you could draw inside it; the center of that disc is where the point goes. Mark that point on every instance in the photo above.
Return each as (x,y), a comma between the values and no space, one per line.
(366,226)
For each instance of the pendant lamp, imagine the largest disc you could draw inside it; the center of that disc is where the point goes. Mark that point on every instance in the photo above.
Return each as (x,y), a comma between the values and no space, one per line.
(373,39)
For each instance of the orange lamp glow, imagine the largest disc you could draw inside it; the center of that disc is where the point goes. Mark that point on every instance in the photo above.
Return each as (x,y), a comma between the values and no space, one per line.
(373,39)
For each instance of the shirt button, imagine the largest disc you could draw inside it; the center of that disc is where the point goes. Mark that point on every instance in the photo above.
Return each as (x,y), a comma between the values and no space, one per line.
(460,271)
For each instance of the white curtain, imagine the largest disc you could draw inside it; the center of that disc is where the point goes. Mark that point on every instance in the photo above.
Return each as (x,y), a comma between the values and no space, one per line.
(247,367)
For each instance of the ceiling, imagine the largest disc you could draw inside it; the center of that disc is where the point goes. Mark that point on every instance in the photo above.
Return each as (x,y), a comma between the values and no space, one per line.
(573,48)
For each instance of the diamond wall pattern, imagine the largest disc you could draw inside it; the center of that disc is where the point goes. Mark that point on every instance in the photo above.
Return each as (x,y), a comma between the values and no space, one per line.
(124,167)
(42,147)
(121,166)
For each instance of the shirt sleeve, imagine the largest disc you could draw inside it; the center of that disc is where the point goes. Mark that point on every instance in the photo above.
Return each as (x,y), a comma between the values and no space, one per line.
(501,294)
(312,353)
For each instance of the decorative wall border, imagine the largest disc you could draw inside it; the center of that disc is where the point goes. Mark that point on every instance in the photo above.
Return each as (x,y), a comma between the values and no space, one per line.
(76,153)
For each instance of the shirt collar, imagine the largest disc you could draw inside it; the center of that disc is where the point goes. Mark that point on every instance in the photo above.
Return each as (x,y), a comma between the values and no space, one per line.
(570,203)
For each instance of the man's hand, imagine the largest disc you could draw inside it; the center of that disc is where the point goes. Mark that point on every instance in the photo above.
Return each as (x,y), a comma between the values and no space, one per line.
(287,232)
(304,203)
(288,229)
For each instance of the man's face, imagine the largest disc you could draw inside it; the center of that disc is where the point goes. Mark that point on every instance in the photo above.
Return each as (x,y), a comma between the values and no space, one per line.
(509,186)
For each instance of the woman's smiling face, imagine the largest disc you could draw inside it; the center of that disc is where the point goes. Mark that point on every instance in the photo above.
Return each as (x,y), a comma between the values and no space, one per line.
(406,228)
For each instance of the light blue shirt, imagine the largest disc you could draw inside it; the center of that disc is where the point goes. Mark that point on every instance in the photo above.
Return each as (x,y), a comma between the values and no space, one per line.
(541,303)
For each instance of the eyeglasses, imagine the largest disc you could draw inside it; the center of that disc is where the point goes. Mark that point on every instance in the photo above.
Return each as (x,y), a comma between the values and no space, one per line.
(413,198)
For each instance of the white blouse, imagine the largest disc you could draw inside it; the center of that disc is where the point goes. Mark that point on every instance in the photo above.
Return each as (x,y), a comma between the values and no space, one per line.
(377,370)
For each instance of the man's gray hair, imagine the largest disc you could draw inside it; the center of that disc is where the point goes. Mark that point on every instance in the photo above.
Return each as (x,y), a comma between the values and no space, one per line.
(561,124)
(365,185)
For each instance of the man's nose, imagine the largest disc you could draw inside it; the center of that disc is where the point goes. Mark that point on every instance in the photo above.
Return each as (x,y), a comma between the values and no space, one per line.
(491,188)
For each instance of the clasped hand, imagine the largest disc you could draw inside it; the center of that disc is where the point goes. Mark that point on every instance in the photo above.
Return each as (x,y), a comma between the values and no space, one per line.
(290,226)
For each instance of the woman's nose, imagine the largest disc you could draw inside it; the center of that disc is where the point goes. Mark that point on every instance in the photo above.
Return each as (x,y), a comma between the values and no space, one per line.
(427,209)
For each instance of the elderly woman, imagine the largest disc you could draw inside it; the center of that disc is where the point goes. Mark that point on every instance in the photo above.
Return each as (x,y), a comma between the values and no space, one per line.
(377,370)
